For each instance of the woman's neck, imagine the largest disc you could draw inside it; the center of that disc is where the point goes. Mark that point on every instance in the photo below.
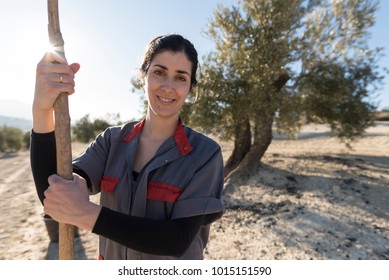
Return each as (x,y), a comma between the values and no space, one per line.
(159,128)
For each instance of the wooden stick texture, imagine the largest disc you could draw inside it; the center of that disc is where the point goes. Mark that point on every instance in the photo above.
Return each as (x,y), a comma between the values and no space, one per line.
(62,133)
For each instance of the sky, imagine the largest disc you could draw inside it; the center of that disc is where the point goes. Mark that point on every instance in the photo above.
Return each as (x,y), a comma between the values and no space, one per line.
(108,39)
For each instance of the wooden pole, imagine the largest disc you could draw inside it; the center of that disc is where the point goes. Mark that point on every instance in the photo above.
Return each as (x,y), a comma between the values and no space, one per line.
(62,133)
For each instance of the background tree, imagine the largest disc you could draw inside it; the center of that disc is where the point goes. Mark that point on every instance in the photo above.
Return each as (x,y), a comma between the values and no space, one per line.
(85,130)
(11,139)
(2,141)
(339,75)
(26,139)
(276,61)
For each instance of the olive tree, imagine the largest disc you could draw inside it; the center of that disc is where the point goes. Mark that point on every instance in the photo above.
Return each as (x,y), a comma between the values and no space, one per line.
(278,61)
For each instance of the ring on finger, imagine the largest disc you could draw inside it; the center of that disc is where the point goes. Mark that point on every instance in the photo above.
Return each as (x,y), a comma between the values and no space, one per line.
(61,78)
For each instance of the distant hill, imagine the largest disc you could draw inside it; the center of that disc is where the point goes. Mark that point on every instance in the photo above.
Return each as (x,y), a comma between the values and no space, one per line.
(15,113)
(15,109)
(22,124)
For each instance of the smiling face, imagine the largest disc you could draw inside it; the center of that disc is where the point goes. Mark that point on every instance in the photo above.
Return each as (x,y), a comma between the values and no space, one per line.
(167,83)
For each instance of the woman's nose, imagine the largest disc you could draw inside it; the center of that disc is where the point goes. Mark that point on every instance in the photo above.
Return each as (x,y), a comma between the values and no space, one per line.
(168,84)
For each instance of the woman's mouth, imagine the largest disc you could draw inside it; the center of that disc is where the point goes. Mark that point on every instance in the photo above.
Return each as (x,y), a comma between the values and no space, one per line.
(165,100)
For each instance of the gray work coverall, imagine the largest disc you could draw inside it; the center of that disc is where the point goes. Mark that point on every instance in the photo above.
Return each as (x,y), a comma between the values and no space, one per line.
(183,179)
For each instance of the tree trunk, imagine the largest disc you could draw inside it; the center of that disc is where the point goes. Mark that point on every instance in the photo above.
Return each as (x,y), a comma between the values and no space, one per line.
(251,162)
(242,145)
(263,135)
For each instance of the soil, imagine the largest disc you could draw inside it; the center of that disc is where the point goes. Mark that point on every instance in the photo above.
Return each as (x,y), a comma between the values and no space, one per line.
(313,198)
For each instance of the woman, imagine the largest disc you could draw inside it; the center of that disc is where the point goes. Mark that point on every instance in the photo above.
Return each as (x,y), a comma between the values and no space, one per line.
(160,182)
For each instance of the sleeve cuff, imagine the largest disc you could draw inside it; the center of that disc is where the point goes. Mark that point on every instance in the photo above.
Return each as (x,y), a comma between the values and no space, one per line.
(100,222)
(42,136)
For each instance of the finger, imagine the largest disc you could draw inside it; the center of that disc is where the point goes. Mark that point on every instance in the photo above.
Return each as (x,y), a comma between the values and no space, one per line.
(46,69)
(80,182)
(77,178)
(47,194)
(62,78)
(54,83)
(51,195)
(55,180)
(75,67)
(51,90)
(58,73)
(48,208)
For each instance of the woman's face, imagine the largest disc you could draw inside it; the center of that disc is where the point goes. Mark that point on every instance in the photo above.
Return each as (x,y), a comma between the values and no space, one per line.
(167,83)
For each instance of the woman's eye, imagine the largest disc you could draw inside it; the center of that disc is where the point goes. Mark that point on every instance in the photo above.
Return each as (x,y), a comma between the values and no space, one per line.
(181,78)
(158,72)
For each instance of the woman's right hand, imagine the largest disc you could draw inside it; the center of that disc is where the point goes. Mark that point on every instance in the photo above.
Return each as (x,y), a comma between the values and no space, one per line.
(52,79)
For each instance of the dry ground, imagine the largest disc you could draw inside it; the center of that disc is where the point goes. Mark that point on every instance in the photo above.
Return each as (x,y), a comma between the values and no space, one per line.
(312,199)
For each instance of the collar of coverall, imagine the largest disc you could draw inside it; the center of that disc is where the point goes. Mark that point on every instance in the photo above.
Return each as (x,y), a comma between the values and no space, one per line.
(179,136)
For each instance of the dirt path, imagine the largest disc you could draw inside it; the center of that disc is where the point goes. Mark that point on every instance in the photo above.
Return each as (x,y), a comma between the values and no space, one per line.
(23,233)
(19,212)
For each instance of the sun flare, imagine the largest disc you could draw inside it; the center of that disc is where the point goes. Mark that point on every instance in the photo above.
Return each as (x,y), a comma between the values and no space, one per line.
(56,49)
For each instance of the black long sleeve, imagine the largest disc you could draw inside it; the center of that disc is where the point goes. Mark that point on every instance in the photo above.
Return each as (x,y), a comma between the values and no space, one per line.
(149,236)
(145,235)
(43,160)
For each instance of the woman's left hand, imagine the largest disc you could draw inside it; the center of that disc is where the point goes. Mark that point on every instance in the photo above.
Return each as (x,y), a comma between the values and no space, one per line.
(67,201)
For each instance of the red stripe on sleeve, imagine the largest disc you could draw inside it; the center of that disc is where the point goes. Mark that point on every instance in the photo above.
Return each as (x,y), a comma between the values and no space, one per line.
(108,184)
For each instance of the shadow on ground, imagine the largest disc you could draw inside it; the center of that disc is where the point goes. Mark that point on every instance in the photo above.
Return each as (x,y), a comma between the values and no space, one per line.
(341,214)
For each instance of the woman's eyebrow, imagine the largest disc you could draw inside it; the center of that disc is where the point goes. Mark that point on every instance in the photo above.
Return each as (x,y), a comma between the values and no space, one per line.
(165,68)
